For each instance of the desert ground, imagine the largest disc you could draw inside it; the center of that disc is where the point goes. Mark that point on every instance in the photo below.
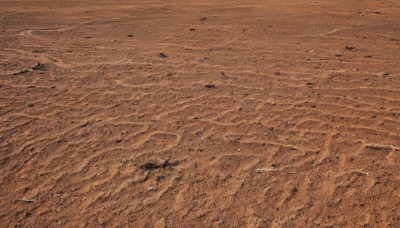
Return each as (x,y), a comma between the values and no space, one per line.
(188,113)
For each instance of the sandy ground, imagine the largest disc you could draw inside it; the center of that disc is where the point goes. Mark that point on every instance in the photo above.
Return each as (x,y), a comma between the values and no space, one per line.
(179,113)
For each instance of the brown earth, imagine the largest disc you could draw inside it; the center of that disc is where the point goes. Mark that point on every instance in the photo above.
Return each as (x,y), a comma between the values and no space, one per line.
(179,113)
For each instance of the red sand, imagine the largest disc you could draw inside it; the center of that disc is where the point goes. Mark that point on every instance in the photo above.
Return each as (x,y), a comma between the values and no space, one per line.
(258,113)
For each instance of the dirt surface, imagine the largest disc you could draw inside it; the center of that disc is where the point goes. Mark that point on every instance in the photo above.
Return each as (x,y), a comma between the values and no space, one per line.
(220,113)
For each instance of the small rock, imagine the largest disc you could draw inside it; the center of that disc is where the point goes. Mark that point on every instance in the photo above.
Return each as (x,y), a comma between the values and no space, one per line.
(223,74)
(162,55)
(38,66)
(209,86)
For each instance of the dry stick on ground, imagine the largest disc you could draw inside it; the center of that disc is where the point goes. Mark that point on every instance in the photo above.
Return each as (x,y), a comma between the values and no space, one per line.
(381,147)
(38,66)
(26,200)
